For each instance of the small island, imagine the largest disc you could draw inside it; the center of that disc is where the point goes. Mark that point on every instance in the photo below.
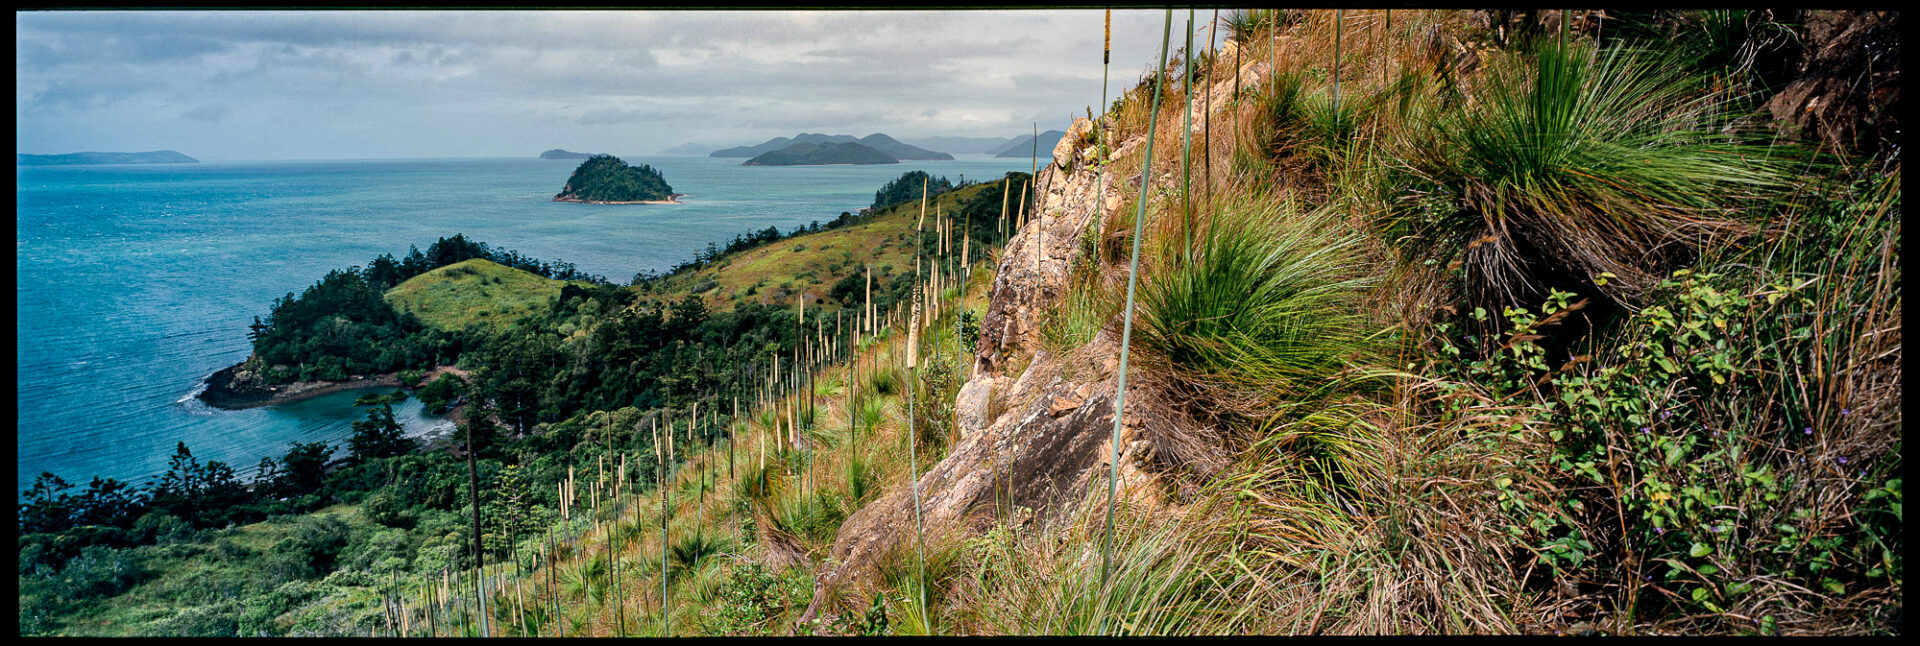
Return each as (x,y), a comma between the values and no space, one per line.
(805,154)
(77,159)
(606,179)
(561,153)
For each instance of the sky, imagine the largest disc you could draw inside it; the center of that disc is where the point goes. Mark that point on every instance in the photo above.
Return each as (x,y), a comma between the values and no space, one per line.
(228,85)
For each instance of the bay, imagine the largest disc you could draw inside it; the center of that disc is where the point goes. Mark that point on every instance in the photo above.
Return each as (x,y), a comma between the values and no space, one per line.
(134,282)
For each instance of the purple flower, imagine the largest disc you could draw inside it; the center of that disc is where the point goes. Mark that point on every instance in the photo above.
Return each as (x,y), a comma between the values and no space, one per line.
(1659,530)
(1844,411)
(1646,429)
(1842,459)
(1665,414)
(1807,430)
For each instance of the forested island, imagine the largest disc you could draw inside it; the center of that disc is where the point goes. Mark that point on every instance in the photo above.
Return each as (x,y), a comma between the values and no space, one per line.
(809,154)
(1025,147)
(559,153)
(77,159)
(877,141)
(606,179)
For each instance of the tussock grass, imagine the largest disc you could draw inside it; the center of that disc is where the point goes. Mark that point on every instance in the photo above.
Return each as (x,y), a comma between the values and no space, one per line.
(885,379)
(693,546)
(1088,305)
(1575,162)
(920,597)
(1168,578)
(1265,302)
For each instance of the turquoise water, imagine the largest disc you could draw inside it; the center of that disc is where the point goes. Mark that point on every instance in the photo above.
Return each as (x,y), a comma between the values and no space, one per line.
(136,282)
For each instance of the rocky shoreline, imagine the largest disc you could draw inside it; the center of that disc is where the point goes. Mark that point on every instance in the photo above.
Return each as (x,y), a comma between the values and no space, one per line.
(225,391)
(231,389)
(671,199)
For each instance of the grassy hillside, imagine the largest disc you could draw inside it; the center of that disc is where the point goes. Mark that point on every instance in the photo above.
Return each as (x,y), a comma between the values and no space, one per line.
(1530,341)
(749,519)
(811,264)
(476,293)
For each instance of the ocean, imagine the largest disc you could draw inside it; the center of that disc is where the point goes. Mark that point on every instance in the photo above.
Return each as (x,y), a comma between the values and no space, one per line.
(134,282)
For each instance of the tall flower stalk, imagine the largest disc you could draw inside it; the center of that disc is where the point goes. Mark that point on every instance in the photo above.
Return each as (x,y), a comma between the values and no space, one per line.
(1126,315)
(1186,140)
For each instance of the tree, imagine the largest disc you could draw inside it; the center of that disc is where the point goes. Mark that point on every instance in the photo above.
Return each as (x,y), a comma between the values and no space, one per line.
(510,509)
(305,468)
(442,393)
(205,495)
(48,508)
(178,490)
(109,502)
(378,436)
(687,314)
(223,497)
(907,188)
(482,436)
(385,271)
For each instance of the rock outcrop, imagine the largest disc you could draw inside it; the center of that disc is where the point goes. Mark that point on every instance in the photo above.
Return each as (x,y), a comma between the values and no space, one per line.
(1035,428)
(1847,92)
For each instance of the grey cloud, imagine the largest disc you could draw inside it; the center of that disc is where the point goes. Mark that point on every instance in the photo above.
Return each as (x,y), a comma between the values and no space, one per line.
(564,74)
(210,113)
(620,116)
(87,93)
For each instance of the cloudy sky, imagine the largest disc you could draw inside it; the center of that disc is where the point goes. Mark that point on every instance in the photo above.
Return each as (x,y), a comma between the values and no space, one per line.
(343,85)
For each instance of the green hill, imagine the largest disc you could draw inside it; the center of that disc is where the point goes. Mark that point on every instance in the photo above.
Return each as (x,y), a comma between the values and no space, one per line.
(475,293)
(813,263)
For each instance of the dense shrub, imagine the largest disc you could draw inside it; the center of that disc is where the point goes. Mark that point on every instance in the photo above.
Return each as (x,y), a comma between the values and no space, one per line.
(101,571)
(753,597)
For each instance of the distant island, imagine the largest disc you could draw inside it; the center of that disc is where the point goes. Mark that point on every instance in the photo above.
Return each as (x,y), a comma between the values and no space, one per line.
(1023,147)
(75,159)
(606,179)
(894,147)
(778,143)
(966,145)
(559,153)
(810,154)
(876,141)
